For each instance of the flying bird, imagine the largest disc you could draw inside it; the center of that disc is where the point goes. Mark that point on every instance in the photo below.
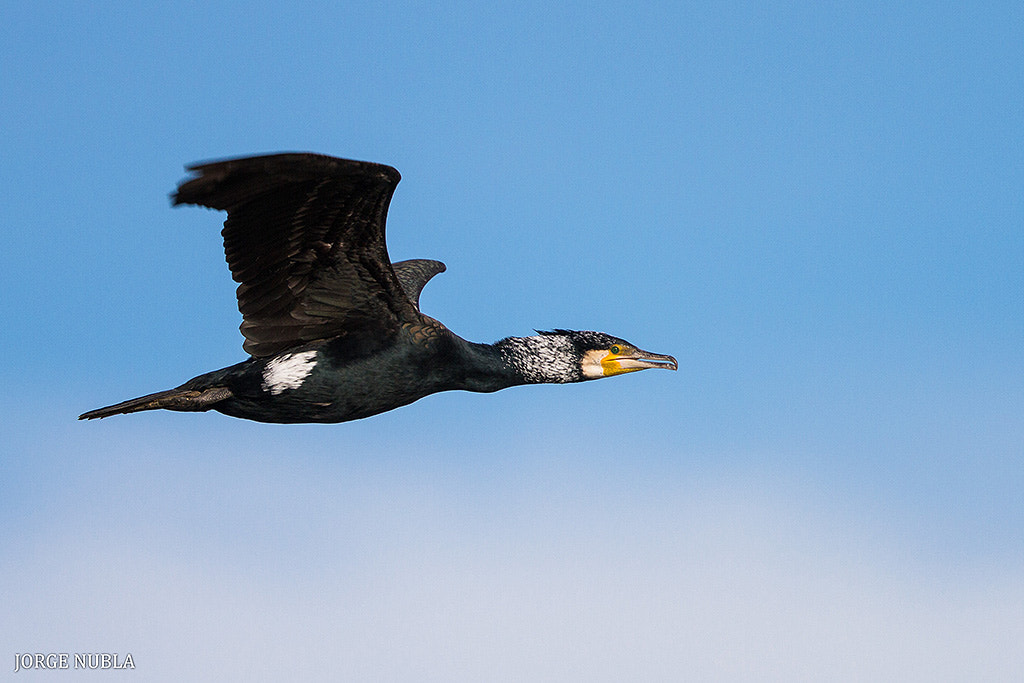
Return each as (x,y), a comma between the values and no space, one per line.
(333,328)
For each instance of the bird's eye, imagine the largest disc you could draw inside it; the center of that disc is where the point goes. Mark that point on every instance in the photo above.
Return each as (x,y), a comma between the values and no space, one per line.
(615,350)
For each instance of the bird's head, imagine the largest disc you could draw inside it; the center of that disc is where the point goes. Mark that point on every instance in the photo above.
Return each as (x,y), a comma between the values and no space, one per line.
(602,355)
(575,356)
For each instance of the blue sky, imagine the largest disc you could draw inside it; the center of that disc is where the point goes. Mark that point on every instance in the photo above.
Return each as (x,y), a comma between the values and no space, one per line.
(816,209)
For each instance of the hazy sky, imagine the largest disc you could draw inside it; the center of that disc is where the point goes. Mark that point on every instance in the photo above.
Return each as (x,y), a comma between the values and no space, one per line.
(818,210)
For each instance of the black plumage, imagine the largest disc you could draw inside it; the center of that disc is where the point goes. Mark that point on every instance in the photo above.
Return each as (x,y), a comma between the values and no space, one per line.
(333,328)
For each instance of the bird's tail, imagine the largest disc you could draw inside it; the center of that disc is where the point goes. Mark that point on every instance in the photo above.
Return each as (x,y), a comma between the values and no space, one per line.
(172,399)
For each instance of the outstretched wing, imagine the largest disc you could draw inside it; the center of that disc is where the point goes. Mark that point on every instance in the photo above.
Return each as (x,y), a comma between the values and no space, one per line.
(304,238)
(414,274)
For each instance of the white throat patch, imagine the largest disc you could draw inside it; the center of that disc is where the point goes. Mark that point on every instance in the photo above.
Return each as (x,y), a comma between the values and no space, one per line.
(288,371)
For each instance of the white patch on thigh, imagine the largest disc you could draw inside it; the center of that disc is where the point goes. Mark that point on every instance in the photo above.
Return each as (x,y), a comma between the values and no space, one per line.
(288,371)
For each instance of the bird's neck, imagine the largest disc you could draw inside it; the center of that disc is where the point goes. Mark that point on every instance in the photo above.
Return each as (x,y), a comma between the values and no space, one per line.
(543,359)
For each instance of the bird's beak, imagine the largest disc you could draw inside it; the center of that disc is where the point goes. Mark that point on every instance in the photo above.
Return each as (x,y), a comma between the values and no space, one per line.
(641,360)
(637,360)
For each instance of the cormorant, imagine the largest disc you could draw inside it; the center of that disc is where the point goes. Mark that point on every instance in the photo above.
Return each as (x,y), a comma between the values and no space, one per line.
(333,328)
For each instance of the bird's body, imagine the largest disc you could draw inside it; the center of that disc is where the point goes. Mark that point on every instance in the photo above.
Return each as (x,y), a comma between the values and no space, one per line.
(333,327)
(327,382)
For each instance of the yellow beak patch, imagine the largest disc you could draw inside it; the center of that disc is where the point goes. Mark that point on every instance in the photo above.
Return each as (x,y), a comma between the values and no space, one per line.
(612,365)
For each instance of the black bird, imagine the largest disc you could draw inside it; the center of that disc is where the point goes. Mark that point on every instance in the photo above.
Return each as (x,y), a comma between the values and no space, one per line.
(333,328)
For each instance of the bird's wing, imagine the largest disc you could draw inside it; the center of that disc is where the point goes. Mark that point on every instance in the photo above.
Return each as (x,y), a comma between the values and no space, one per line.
(414,274)
(304,238)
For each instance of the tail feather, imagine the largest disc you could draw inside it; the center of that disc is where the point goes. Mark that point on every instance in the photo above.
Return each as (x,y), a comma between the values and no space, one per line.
(172,399)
